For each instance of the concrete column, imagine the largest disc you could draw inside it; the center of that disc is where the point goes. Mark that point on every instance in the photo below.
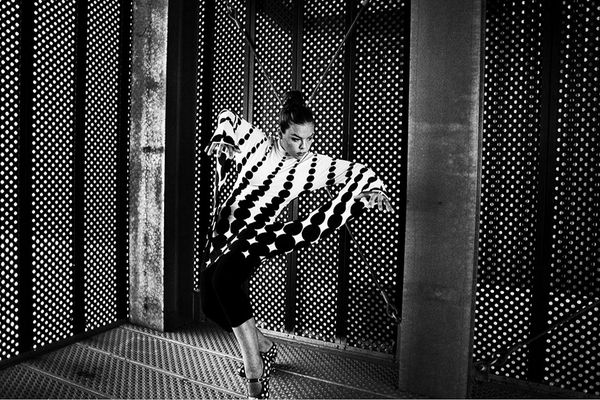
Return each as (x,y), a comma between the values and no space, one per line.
(161,227)
(443,189)
(147,163)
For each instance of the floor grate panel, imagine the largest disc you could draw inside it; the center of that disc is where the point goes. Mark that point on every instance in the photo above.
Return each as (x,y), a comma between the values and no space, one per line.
(219,369)
(118,377)
(377,377)
(201,362)
(21,382)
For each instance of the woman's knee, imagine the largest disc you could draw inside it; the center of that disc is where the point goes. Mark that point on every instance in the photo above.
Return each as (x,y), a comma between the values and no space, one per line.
(228,273)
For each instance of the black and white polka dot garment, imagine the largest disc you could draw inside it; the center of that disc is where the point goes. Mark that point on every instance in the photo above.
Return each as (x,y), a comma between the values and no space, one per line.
(268,180)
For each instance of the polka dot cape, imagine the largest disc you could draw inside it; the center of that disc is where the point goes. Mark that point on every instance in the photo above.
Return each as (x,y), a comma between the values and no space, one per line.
(268,179)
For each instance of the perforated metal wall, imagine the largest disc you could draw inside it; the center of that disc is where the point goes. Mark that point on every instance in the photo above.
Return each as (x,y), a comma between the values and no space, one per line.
(201,218)
(538,256)
(573,352)
(379,141)
(229,61)
(510,170)
(53,153)
(64,108)
(10,13)
(274,32)
(101,135)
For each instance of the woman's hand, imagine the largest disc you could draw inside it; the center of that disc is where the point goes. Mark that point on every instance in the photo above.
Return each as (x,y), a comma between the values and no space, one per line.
(377,198)
(216,148)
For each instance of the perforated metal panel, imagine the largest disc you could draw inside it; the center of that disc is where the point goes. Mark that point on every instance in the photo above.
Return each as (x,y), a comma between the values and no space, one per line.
(53,172)
(9,142)
(229,68)
(317,279)
(274,44)
(540,165)
(53,146)
(101,139)
(229,60)
(201,220)
(509,185)
(572,354)
(379,141)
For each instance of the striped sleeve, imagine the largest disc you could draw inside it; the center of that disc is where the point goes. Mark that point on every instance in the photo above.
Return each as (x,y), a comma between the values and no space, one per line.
(239,134)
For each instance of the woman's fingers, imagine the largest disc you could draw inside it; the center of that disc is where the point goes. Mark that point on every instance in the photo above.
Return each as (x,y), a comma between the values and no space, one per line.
(216,148)
(232,150)
(210,148)
(377,198)
(388,205)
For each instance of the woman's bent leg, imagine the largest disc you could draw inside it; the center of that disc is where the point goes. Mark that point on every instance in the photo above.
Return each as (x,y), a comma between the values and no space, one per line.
(253,365)
(210,302)
(264,344)
(230,274)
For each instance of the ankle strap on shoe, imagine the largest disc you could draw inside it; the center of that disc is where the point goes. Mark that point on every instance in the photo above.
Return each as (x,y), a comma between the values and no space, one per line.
(256,380)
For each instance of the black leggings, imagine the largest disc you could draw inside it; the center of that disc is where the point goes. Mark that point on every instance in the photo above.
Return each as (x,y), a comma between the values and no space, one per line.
(223,291)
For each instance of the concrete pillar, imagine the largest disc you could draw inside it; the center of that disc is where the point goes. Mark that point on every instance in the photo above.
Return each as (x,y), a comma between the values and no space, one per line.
(162,163)
(147,163)
(443,189)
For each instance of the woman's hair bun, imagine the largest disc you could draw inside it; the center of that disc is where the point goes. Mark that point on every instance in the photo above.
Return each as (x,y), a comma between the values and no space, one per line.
(294,111)
(293,98)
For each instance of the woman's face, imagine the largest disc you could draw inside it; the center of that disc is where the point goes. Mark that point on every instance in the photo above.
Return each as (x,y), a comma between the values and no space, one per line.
(297,139)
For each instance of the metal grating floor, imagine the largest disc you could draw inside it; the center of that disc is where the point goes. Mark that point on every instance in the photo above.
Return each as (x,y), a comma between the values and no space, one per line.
(201,362)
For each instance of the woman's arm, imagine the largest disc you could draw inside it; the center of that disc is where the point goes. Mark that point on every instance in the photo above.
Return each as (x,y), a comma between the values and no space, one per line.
(233,135)
(233,140)
(337,172)
(359,183)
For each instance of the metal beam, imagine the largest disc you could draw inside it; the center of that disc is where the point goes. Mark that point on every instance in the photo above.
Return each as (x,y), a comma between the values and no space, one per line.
(182,57)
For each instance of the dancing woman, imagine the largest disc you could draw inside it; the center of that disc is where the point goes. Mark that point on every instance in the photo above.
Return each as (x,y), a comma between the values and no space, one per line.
(273,170)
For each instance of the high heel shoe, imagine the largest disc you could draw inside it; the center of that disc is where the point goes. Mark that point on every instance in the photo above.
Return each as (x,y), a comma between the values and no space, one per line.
(268,358)
(264,381)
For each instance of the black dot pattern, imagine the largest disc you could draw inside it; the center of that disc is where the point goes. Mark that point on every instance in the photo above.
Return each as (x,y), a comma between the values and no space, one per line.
(268,181)
(9,142)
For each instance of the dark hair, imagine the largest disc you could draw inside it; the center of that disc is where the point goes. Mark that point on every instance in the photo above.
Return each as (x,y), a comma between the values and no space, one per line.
(294,111)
